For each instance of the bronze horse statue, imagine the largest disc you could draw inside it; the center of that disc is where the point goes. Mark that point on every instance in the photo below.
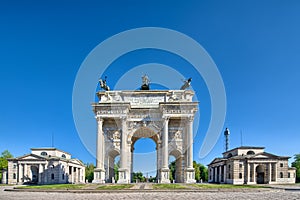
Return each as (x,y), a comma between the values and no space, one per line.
(103,84)
(187,83)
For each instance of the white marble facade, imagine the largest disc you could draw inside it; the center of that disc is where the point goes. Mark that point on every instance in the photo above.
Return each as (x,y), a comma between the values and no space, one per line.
(45,166)
(125,116)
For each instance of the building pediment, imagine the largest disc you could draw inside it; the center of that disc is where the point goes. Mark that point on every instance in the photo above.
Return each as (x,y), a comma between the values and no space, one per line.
(30,157)
(76,161)
(266,155)
(261,156)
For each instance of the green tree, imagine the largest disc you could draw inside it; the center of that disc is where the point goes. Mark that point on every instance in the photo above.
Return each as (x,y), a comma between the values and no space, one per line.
(3,161)
(152,179)
(138,176)
(89,172)
(203,173)
(172,167)
(296,164)
(197,170)
(116,171)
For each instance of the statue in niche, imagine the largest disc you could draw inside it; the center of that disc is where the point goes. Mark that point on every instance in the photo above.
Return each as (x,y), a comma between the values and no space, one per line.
(187,84)
(116,135)
(145,83)
(178,134)
(103,84)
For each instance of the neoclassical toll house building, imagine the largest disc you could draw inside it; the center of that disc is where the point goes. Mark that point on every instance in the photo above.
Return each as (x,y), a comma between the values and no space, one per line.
(45,166)
(251,165)
(165,116)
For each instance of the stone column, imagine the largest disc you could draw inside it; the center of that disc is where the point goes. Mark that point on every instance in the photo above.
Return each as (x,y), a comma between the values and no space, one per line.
(270,172)
(72,176)
(131,166)
(225,174)
(20,173)
(25,173)
(248,173)
(159,161)
(123,170)
(220,173)
(99,172)
(190,171)
(45,174)
(79,174)
(275,172)
(164,171)
(165,160)
(254,173)
(40,174)
(216,174)
(213,174)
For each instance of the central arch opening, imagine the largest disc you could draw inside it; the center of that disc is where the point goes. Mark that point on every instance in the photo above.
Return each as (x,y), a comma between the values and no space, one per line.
(144,155)
(144,160)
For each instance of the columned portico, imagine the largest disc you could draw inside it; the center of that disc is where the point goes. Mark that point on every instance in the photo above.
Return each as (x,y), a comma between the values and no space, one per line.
(251,165)
(164,116)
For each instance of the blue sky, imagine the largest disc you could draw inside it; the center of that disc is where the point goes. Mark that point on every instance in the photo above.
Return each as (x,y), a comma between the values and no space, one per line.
(255,45)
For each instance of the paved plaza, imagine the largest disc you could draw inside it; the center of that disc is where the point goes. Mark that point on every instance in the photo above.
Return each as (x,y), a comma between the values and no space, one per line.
(270,194)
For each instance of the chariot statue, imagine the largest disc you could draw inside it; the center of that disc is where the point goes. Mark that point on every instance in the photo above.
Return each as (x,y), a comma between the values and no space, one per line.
(145,82)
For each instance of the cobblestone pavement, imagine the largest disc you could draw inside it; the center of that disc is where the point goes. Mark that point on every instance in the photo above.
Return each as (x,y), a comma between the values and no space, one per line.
(267,195)
(273,194)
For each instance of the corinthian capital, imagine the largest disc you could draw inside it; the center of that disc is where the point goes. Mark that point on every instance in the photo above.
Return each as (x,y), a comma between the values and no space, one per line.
(190,118)
(166,118)
(99,119)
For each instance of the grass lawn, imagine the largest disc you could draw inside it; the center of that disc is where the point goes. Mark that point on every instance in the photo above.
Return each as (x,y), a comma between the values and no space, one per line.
(221,186)
(168,186)
(115,187)
(55,186)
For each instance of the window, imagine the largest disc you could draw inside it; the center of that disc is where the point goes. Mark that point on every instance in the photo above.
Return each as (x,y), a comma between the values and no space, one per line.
(14,176)
(281,175)
(240,175)
(289,175)
(63,176)
(228,166)
(229,176)
(229,155)
(250,153)
(241,165)
(52,176)
(63,156)
(281,164)
(15,166)
(44,153)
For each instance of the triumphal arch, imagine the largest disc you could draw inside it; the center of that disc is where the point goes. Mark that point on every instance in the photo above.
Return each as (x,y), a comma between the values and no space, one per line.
(165,116)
